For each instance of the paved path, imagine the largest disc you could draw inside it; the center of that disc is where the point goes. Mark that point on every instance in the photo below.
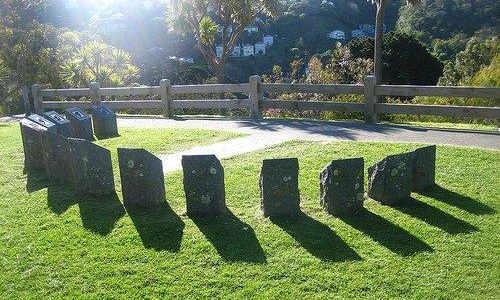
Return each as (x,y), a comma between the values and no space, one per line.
(265,133)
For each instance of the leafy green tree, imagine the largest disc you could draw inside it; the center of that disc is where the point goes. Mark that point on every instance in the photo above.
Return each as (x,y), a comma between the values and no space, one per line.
(406,60)
(477,55)
(379,23)
(101,63)
(201,18)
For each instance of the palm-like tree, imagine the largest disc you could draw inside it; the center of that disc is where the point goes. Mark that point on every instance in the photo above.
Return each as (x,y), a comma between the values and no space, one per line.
(379,24)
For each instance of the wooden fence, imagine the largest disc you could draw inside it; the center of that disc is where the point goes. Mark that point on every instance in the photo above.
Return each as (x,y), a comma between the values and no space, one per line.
(257,102)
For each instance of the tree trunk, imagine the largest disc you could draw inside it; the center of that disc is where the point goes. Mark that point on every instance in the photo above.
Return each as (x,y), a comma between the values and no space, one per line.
(379,30)
(219,73)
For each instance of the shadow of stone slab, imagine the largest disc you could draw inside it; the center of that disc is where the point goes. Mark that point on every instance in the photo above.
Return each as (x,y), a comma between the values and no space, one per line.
(387,234)
(317,238)
(159,227)
(234,240)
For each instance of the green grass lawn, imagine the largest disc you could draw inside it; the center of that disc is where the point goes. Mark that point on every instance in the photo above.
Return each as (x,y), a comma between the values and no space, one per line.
(441,245)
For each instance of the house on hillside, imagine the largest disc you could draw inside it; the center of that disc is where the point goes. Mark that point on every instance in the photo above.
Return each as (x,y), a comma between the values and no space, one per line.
(236,52)
(268,40)
(187,59)
(218,51)
(248,50)
(260,48)
(251,29)
(337,35)
(220,28)
(358,34)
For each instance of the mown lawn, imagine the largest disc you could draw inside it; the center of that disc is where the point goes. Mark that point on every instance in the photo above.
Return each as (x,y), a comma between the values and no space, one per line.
(441,245)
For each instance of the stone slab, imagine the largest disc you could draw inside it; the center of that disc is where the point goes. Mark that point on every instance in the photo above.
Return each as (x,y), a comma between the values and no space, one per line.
(204,185)
(32,136)
(81,123)
(423,173)
(279,187)
(342,186)
(91,168)
(43,121)
(104,121)
(142,178)
(389,179)
(63,126)
(56,157)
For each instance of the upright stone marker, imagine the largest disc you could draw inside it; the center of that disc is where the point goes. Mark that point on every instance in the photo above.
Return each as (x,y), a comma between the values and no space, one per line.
(342,186)
(279,187)
(91,168)
(104,120)
(81,124)
(63,126)
(423,173)
(32,135)
(141,175)
(56,156)
(204,185)
(43,122)
(389,179)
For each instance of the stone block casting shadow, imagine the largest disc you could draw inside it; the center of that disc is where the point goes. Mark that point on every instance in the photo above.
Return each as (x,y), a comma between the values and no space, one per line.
(35,180)
(316,238)
(234,240)
(435,217)
(393,237)
(459,201)
(99,214)
(159,227)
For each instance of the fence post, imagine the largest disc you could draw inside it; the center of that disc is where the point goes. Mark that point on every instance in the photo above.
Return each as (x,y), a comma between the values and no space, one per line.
(26,99)
(166,97)
(255,95)
(36,91)
(370,100)
(95,93)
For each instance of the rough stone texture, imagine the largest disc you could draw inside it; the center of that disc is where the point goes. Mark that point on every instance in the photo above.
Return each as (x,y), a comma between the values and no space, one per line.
(204,185)
(342,186)
(141,175)
(43,121)
(279,187)
(389,179)
(91,168)
(104,120)
(56,157)
(63,126)
(32,133)
(423,173)
(81,124)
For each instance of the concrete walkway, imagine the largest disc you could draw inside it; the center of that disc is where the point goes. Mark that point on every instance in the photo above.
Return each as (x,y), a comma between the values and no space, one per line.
(265,133)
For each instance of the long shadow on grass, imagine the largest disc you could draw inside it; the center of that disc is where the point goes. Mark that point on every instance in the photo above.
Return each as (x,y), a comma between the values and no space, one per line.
(99,214)
(159,227)
(460,201)
(317,238)
(393,237)
(234,240)
(435,217)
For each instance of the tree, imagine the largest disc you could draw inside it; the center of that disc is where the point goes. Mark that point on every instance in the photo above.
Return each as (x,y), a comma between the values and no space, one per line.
(379,23)
(102,63)
(406,60)
(203,18)
(477,55)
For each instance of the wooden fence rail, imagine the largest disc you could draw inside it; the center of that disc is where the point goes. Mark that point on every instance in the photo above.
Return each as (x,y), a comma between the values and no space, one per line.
(257,98)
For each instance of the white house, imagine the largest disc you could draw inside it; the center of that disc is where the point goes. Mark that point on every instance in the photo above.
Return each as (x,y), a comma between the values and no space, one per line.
(358,33)
(188,59)
(218,51)
(251,28)
(260,48)
(337,35)
(268,40)
(236,52)
(220,28)
(248,50)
